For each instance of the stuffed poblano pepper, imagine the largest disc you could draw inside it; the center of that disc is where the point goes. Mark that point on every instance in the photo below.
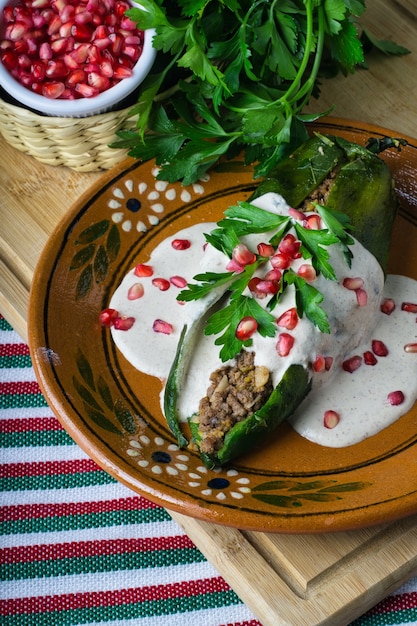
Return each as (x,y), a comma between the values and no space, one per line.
(298,272)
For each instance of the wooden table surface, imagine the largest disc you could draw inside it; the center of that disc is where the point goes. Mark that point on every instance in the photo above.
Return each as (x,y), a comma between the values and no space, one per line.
(285,579)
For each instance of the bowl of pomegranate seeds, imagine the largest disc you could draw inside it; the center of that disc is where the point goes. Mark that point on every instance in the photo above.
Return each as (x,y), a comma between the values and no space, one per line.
(71,58)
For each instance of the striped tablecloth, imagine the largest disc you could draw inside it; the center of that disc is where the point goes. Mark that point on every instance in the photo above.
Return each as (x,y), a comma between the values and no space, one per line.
(79,548)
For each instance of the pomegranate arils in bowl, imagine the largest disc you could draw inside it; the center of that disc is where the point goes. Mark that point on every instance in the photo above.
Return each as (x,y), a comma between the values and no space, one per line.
(71,50)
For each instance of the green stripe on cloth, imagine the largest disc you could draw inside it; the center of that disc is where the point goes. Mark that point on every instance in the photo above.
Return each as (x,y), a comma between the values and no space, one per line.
(100,563)
(23,401)
(4,325)
(36,438)
(126,611)
(81,522)
(407,616)
(56,481)
(21,361)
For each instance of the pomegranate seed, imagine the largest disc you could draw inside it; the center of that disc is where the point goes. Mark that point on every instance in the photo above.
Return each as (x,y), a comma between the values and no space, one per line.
(242,255)
(53,89)
(234,266)
(38,70)
(161,283)
(395,398)
(328,360)
(106,69)
(97,80)
(143,270)
(178,281)
(123,323)
(268,287)
(361,297)
(353,283)
(369,358)
(122,72)
(86,91)
(62,45)
(296,214)
(409,307)
(387,306)
(289,319)
(410,347)
(274,275)
(307,271)
(107,317)
(54,25)
(352,364)
(246,328)
(181,244)
(379,348)
(289,245)
(9,60)
(56,69)
(319,364)
(253,287)
(265,249)
(74,77)
(135,291)
(284,344)
(45,51)
(331,419)
(159,326)
(313,222)
(281,261)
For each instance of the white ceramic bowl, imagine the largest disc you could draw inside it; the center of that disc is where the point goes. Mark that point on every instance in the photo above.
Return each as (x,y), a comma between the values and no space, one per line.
(82,107)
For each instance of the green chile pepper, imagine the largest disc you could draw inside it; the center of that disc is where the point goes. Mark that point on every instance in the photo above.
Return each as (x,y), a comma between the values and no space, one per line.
(363,190)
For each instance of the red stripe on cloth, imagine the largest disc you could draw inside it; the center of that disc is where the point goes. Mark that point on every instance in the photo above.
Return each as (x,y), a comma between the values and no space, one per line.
(38,511)
(112,598)
(30,424)
(77,549)
(41,468)
(14,349)
(399,602)
(19,388)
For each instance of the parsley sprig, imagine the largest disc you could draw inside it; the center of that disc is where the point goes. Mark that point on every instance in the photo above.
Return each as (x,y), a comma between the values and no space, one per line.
(235,77)
(246,219)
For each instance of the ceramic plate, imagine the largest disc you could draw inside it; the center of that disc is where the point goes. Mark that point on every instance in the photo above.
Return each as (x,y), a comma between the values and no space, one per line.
(113,411)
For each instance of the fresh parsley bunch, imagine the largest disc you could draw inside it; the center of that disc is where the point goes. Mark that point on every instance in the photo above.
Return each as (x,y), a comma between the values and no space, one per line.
(235,76)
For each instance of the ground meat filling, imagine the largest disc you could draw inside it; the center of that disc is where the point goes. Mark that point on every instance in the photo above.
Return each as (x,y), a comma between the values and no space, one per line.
(235,393)
(320,193)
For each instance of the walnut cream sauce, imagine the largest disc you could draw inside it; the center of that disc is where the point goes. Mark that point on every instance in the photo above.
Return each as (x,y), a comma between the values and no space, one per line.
(360,398)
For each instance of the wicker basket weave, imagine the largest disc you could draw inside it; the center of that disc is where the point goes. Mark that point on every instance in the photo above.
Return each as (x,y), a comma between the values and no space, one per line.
(79,143)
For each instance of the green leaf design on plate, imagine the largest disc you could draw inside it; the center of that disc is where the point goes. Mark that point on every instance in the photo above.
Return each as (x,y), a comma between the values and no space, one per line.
(104,392)
(93,232)
(297,491)
(125,416)
(101,420)
(85,282)
(113,243)
(85,370)
(82,257)
(97,254)
(101,264)
(85,394)
(97,400)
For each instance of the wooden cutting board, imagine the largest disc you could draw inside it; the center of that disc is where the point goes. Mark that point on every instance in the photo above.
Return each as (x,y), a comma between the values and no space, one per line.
(294,580)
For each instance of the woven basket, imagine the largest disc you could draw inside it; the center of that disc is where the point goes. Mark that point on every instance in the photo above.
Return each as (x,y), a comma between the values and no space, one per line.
(79,143)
